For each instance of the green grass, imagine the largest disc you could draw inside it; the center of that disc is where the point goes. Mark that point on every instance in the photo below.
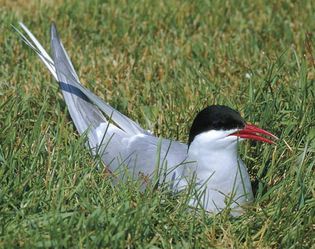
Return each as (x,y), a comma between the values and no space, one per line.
(144,57)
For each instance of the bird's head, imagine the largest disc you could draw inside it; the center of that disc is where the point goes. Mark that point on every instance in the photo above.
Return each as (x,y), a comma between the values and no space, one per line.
(219,126)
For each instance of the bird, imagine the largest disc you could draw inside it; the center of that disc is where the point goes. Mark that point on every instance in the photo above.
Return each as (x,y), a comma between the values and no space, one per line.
(209,162)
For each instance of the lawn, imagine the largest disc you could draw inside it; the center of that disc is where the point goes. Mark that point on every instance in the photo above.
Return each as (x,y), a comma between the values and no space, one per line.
(158,62)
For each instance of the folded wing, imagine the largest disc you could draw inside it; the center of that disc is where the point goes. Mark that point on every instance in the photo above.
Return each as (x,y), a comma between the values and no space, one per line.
(122,140)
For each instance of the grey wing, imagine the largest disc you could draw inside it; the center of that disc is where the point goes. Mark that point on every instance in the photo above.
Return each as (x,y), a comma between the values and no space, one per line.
(147,155)
(66,72)
(125,143)
(85,107)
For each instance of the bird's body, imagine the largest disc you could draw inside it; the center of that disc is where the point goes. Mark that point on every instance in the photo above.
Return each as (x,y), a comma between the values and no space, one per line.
(210,159)
(220,170)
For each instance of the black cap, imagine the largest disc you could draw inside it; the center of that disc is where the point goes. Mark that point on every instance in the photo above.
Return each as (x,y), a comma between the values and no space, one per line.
(215,117)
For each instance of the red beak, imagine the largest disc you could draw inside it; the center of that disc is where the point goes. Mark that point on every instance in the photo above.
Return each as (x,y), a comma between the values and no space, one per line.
(253,132)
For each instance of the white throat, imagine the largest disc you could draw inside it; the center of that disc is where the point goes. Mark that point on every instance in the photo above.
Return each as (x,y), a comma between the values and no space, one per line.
(216,146)
(219,169)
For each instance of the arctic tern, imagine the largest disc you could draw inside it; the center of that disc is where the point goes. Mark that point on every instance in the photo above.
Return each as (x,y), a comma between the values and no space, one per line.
(210,158)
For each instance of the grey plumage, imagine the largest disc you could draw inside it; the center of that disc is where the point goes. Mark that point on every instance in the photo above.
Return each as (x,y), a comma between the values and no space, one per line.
(114,140)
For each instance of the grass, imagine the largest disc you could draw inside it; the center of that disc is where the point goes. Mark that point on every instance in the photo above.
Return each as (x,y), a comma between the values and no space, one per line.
(158,62)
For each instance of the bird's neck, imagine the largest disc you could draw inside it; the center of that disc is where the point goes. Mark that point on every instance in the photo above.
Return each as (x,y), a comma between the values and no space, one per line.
(219,172)
(212,159)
